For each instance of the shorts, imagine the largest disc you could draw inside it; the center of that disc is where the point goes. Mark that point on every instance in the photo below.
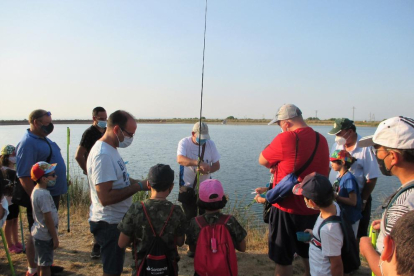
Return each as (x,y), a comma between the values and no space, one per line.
(43,252)
(107,236)
(13,212)
(283,243)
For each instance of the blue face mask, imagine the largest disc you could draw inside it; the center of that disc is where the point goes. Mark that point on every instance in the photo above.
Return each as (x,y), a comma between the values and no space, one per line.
(201,141)
(102,124)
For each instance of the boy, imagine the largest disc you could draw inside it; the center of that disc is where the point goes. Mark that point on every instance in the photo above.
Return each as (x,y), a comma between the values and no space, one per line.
(136,227)
(45,227)
(324,251)
(212,200)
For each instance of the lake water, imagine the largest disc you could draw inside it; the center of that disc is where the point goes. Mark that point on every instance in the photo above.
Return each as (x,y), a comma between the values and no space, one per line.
(238,145)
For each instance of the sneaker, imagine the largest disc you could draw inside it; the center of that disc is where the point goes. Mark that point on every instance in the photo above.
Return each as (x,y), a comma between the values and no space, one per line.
(190,254)
(14,249)
(56,269)
(96,251)
(31,274)
(19,245)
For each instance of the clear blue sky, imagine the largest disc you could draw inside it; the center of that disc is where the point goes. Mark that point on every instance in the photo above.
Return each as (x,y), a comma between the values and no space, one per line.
(146,56)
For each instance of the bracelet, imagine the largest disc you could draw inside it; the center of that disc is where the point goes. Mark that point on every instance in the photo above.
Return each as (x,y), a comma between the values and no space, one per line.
(140,184)
(364,201)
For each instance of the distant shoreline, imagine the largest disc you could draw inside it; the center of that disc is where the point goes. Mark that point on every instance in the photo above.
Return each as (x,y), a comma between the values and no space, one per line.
(194,120)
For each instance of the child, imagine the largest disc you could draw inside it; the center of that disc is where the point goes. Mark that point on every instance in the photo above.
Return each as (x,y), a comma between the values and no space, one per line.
(212,199)
(166,219)
(324,260)
(347,192)
(45,227)
(8,163)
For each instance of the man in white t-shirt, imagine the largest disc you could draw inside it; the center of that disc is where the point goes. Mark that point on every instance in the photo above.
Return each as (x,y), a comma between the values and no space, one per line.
(365,168)
(111,188)
(393,144)
(189,149)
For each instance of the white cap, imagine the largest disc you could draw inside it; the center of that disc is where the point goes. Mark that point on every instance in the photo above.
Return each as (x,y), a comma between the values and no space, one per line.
(396,133)
(203,132)
(285,112)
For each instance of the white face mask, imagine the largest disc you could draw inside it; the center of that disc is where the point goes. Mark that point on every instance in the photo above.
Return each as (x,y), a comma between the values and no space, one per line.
(13,159)
(341,140)
(127,141)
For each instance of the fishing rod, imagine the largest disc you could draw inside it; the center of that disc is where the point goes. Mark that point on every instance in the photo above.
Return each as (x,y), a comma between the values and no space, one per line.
(68,176)
(201,102)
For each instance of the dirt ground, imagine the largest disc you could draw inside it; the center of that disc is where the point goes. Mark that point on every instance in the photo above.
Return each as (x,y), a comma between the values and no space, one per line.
(73,255)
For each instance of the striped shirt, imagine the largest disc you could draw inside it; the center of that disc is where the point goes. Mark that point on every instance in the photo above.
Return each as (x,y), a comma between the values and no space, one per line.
(403,204)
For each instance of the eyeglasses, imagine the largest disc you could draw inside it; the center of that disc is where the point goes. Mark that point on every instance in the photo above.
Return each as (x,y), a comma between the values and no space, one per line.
(129,134)
(40,116)
(375,150)
(52,175)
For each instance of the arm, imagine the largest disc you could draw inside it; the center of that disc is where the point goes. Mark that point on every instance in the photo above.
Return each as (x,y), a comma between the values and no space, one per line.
(27,184)
(241,246)
(108,196)
(80,157)
(263,161)
(337,267)
(215,167)
(204,167)
(51,228)
(145,183)
(351,200)
(124,240)
(368,251)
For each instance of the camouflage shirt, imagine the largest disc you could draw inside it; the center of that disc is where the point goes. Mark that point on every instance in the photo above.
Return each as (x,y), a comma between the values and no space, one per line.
(237,232)
(135,225)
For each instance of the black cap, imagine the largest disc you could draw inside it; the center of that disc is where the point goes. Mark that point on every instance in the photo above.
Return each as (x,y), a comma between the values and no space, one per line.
(314,186)
(160,177)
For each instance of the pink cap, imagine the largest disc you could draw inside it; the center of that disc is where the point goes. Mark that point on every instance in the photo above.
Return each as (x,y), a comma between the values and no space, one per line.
(211,190)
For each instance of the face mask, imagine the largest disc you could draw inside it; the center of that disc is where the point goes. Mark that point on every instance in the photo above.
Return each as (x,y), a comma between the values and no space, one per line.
(341,140)
(102,124)
(51,183)
(201,141)
(382,167)
(48,129)
(13,159)
(127,141)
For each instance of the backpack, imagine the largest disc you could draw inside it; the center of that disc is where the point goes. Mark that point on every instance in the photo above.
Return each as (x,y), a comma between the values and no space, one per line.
(215,253)
(157,260)
(350,249)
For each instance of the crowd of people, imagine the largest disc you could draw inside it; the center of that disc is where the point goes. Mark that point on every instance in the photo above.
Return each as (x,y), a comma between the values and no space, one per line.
(301,200)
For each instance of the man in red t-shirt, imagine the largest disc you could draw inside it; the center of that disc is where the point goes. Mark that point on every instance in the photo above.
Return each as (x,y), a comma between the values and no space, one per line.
(291,215)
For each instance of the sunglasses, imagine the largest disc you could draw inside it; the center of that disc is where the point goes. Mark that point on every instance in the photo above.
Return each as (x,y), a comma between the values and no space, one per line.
(40,116)
(52,175)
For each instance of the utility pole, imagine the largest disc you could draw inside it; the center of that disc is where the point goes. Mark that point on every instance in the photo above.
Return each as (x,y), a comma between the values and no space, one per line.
(353,113)
(316,114)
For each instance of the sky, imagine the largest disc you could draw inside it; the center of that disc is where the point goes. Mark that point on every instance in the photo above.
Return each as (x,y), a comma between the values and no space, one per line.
(329,57)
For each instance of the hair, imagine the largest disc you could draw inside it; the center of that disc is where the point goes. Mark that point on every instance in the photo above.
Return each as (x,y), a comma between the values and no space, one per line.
(4,160)
(402,234)
(350,163)
(35,114)
(211,206)
(96,110)
(161,187)
(324,201)
(353,128)
(407,154)
(119,118)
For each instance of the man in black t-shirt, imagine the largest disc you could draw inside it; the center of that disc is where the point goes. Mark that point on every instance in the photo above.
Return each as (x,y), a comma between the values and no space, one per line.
(89,137)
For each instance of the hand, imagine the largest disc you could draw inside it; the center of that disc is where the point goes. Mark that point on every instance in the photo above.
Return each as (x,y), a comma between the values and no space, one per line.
(310,231)
(204,168)
(365,245)
(260,199)
(272,170)
(260,190)
(55,243)
(363,206)
(376,224)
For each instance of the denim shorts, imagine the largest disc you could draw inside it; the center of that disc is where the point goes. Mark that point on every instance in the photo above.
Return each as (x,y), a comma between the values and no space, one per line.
(43,252)
(107,235)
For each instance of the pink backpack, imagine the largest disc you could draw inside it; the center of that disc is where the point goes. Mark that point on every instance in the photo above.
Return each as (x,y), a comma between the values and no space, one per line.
(215,253)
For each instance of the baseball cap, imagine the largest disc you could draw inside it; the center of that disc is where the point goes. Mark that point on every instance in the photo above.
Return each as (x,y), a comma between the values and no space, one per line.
(160,176)
(341,155)
(314,186)
(7,150)
(285,112)
(395,132)
(341,124)
(211,190)
(40,169)
(203,134)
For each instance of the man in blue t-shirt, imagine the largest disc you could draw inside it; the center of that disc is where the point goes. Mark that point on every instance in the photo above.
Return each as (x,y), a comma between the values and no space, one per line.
(32,148)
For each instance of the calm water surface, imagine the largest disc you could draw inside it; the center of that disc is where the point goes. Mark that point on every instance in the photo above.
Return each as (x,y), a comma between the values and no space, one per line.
(239,147)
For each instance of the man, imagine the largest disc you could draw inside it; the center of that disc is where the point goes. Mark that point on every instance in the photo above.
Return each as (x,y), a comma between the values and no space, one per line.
(397,259)
(393,145)
(291,215)
(32,148)
(365,169)
(89,137)
(111,188)
(187,156)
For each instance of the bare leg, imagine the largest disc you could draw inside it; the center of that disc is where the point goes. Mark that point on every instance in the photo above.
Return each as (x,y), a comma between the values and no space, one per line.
(307,268)
(30,252)
(45,271)
(283,270)
(8,232)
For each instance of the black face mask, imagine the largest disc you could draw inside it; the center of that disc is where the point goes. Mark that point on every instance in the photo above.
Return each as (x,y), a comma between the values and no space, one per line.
(48,129)
(382,166)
